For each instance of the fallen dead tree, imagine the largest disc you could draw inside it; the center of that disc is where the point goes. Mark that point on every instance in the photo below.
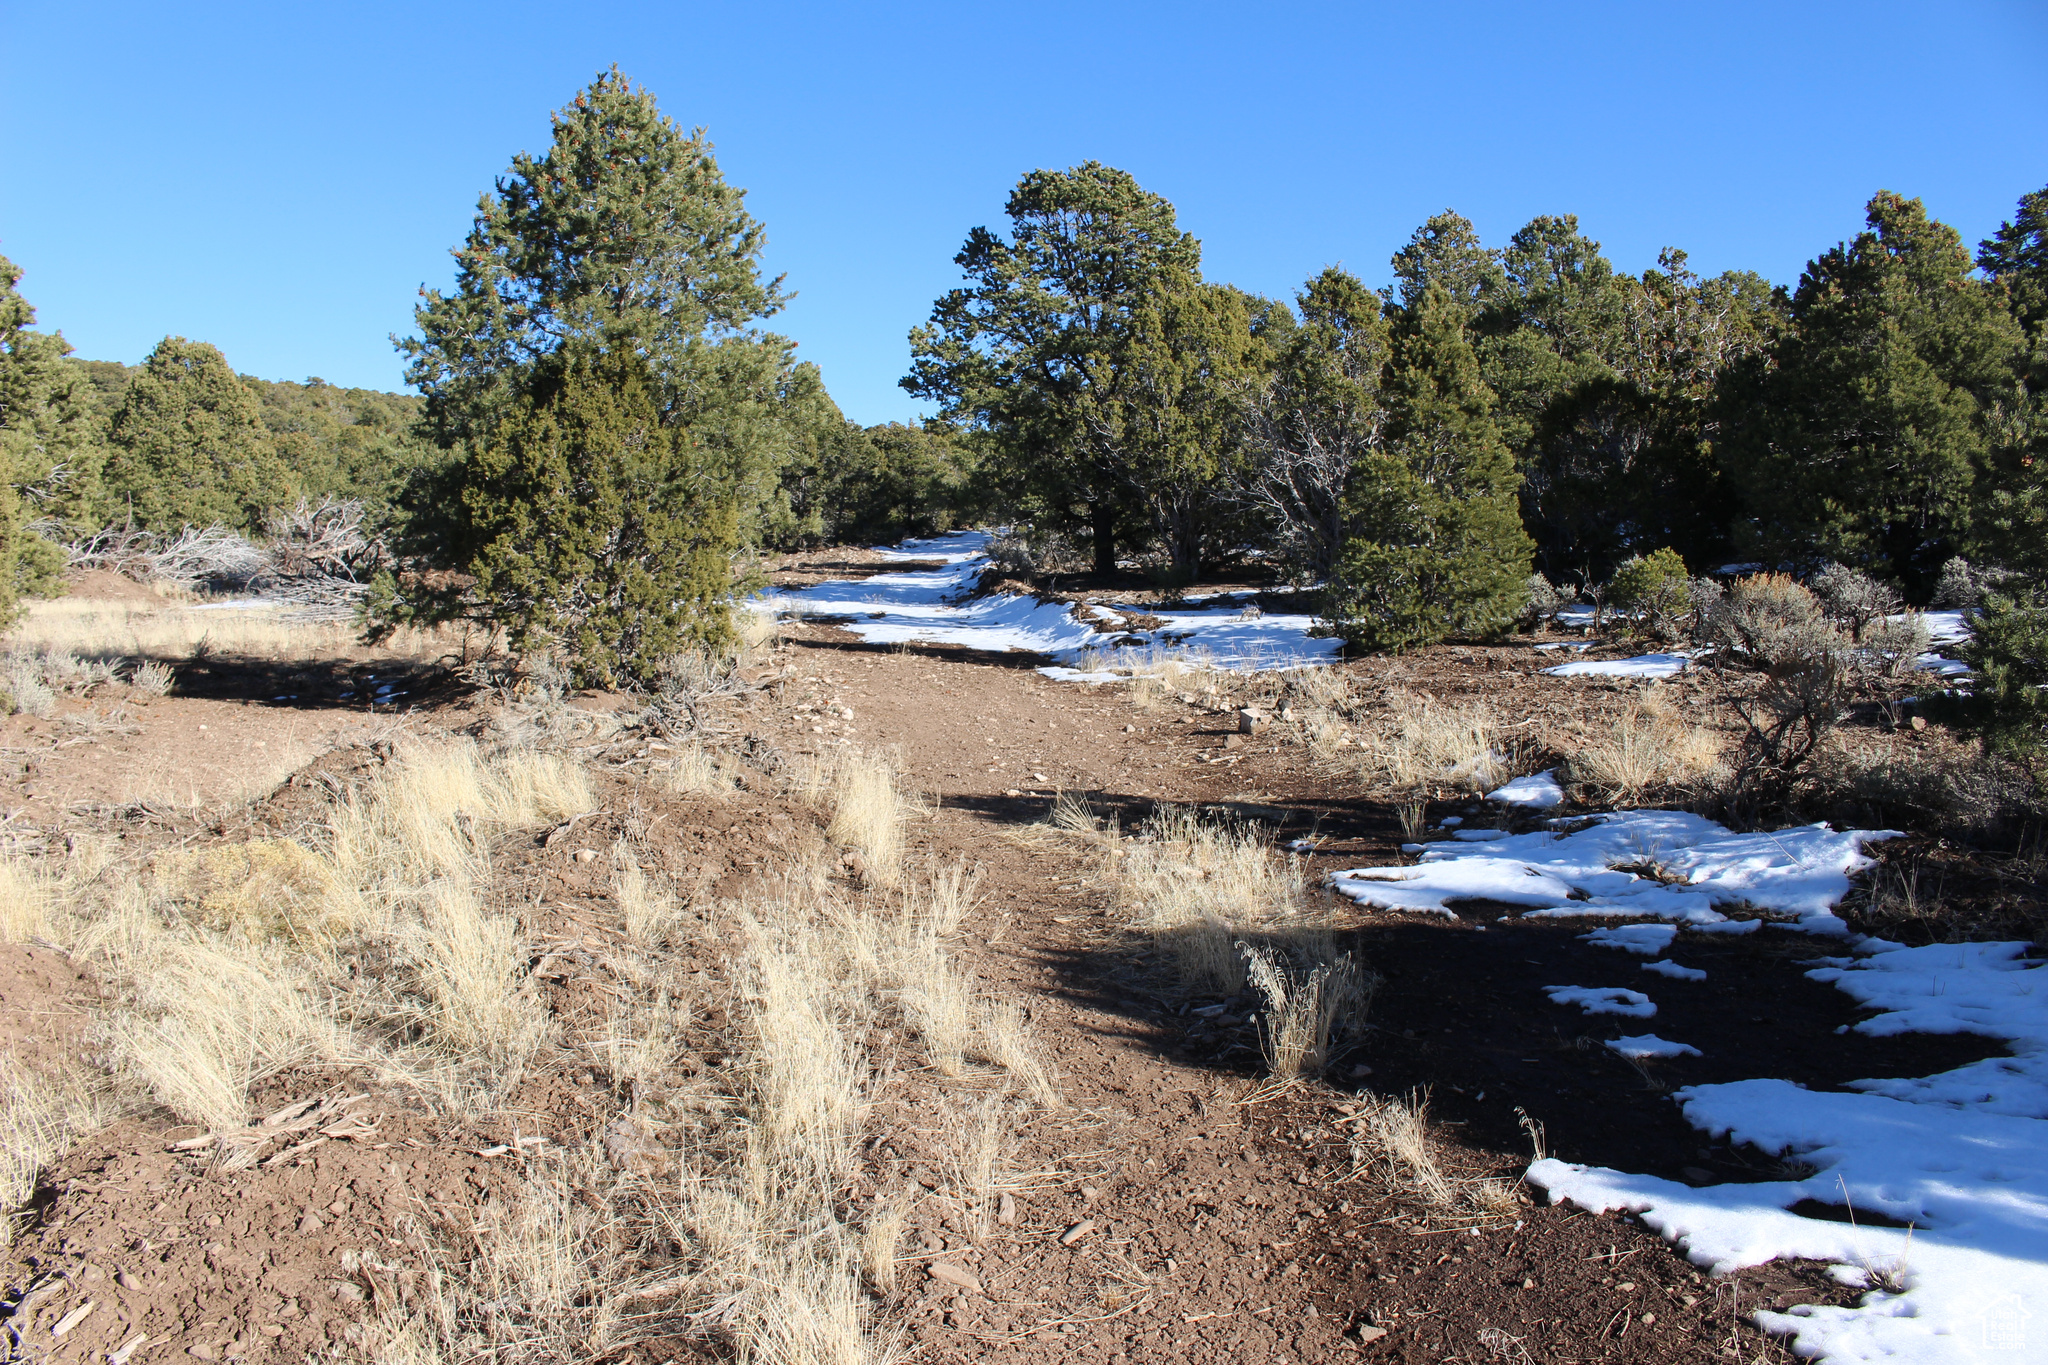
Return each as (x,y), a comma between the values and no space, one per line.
(317,557)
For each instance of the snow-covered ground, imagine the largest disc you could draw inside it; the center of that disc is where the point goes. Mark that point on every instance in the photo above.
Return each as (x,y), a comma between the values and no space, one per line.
(931,605)
(1700,867)
(1961,1156)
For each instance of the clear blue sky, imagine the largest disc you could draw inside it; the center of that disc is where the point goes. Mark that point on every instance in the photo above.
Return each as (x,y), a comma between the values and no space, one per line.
(280,179)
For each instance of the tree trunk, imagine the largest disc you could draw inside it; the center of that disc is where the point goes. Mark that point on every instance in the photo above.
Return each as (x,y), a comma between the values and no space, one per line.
(1103,516)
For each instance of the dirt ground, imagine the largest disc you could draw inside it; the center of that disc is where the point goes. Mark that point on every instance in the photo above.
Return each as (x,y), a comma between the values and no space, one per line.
(1172,1206)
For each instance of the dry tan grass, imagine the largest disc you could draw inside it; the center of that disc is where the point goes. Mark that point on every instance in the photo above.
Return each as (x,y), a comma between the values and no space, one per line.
(1425,743)
(25,896)
(1305,1006)
(879,1240)
(1649,750)
(174,628)
(211,1019)
(472,969)
(693,772)
(653,917)
(1198,888)
(1393,1138)
(868,806)
(39,1120)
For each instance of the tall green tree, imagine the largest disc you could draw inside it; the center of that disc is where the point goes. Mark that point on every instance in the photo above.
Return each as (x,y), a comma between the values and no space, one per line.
(1857,436)
(2011,512)
(1033,349)
(1621,464)
(1446,252)
(187,446)
(588,525)
(624,237)
(44,447)
(1436,545)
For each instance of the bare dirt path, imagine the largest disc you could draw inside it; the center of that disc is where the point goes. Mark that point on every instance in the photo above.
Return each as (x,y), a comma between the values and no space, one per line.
(1236,1224)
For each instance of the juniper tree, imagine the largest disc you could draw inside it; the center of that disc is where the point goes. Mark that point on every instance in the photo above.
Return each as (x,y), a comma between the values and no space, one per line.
(623,237)
(1436,546)
(1858,435)
(590,525)
(188,448)
(1032,350)
(45,451)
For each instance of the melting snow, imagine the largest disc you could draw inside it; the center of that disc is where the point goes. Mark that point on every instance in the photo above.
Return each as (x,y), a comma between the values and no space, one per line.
(1538,791)
(1641,666)
(1699,868)
(932,606)
(1650,1045)
(1666,967)
(1603,1000)
(1647,939)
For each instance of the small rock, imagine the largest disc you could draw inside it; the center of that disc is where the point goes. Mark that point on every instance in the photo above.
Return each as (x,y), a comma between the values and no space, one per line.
(1006,1210)
(1090,1193)
(1250,720)
(1076,1232)
(310,1223)
(1626,1285)
(1918,722)
(947,1273)
(270,1329)
(1696,1175)
(1233,741)
(1365,1333)
(349,1293)
(1130,729)
(199,1350)
(586,855)
(1649,1319)
(126,1281)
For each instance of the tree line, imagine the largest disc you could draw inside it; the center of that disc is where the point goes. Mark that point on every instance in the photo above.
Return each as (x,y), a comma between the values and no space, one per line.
(605,425)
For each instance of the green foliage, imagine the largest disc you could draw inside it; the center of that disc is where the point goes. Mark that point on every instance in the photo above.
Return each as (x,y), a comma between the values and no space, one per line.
(1436,546)
(623,239)
(1061,329)
(1858,436)
(2010,517)
(1654,588)
(42,450)
(2008,649)
(187,446)
(593,527)
(626,228)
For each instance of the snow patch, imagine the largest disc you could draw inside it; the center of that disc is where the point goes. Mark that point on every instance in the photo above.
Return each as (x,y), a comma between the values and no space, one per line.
(1575,868)
(1650,1045)
(1539,791)
(1647,939)
(1641,666)
(1603,1000)
(1666,967)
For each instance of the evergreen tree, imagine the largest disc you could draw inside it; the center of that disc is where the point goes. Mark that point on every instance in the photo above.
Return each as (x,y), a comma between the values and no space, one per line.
(2011,513)
(589,524)
(623,238)
(1446,251)
(187,446)
(44,451)
(1857,436)
(1032,350)
(1436,546)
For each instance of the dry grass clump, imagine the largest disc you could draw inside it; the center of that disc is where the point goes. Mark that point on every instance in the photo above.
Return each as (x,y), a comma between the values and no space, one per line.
(1650,750)
(25,895)
(471,970)
(693,772)
(1392,1137)
(653,916)
(863,791)
(1304,1007)
(264,889)
(39,1120)
(1199,888)
(1426,743)
(175,626)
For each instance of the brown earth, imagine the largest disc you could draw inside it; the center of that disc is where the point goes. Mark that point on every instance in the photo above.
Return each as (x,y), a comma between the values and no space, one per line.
(1231,1221)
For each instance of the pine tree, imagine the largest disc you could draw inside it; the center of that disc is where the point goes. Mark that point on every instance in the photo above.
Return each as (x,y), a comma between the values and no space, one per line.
(188,448)
(44,451)
(1436,545)
(624,237)
(2011,513)
(1856,437)
(592,529)
(1032,350)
